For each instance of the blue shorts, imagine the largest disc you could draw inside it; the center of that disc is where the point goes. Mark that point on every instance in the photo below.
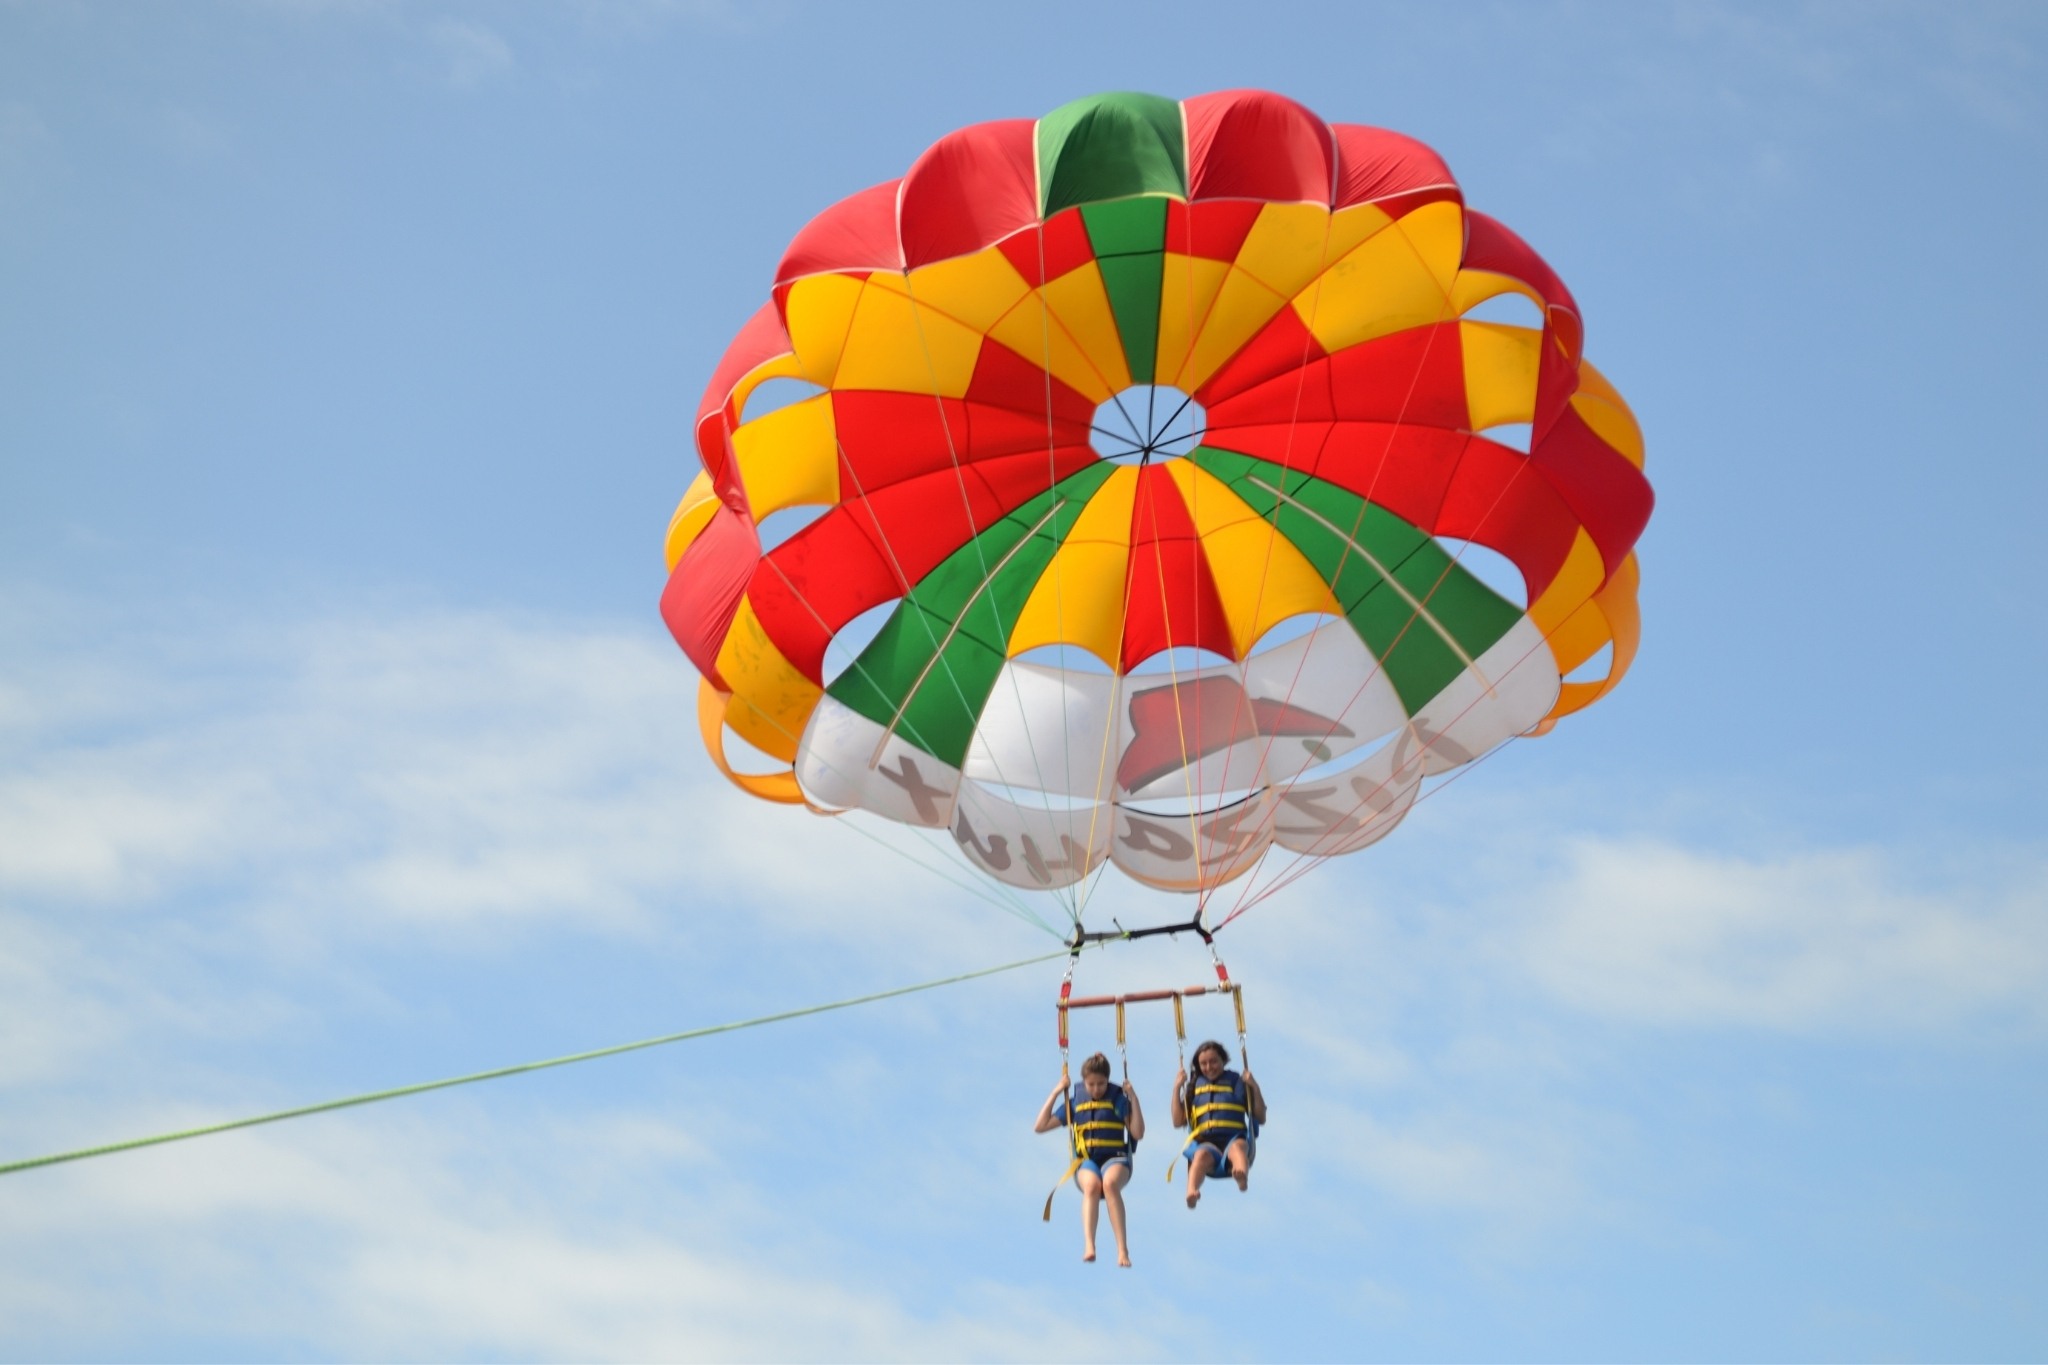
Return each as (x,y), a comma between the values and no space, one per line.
(1251,1152)
(1089,1164)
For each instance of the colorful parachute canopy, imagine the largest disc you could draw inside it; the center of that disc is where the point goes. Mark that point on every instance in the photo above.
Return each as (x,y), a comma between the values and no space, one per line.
(1162,431)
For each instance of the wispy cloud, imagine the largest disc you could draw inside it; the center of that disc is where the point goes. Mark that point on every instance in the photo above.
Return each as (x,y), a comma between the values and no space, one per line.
(476,54)
(598,1238)
(1655,932)
(443,769)
(210,833)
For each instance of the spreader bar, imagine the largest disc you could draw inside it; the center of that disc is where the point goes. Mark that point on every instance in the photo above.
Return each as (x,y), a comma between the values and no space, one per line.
(1135,997)
(1082,937)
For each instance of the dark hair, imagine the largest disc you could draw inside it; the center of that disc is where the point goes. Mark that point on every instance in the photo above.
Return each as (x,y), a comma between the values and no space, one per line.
(1098,1065)
(1195,1072)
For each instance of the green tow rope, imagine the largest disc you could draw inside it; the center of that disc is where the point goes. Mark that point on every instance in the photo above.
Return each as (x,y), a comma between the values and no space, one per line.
(376,1095)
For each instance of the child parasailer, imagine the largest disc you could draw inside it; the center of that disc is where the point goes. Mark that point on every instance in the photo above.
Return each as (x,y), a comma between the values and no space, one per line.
(1105,1123)
(1222,1111)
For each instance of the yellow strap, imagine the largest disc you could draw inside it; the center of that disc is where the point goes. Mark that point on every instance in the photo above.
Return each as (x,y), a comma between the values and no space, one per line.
(1056,1189)
(1244,1052)
(1180,1040)
(1073,1139)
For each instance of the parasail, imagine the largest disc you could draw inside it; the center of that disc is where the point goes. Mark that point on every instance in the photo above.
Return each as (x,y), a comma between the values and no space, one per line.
(1163,442)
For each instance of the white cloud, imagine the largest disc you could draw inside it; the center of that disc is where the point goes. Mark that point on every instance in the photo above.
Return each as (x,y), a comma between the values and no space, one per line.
(612,1237)
(1655,932)
(442,770)
(476,54)
(185,816)
(188,820)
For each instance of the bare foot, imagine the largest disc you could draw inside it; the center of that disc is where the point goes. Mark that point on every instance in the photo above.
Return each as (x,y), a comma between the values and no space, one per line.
(1123,1258)
(1194,1198)
(1087,1253)
(1242,1177)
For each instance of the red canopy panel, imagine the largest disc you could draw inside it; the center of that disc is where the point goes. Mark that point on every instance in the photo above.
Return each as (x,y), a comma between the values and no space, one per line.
(1497,499)
(1253,144)
(1413,376)
(1004,379)
(705,586)
(1285,344)
(1213,230)
(1172,598)
(1609,495)
(1490,245)
(1059,245)
(868,550)
(886,438)
(857,233)
(761,340)
(969,190)
(1379,166)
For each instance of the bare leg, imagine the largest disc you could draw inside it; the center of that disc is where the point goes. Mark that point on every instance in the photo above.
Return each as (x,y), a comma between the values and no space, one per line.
(1113,1181)
(1090,1186)
(1240,1163)
(1198,1170)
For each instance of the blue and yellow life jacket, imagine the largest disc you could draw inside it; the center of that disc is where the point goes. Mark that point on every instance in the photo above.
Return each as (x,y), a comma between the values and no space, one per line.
(1220,1112)
(1098,1125)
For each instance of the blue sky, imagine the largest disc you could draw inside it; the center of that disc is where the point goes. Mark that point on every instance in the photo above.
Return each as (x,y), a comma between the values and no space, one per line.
(351,353)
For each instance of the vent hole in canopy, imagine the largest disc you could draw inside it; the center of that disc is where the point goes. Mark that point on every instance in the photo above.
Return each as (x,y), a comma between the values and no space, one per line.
(1148,422)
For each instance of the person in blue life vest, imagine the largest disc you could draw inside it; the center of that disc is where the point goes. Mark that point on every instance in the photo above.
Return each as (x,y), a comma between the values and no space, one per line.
(1107,1124)
(1222,1111)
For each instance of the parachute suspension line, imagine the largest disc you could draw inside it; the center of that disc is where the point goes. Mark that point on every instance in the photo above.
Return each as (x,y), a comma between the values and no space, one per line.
(400,1092)
(1011,907)
(1307,862)
(1307,859)
(852,470)
(1074,1144)
(1350,541)
(1071,896)
(1180,1051)
(1180,724)
(1304,862)
(1011,904)
(988,574)
(903,581)
(1009,901)
(1108,745)
(954,629)
(1415,604)
(1287,466)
